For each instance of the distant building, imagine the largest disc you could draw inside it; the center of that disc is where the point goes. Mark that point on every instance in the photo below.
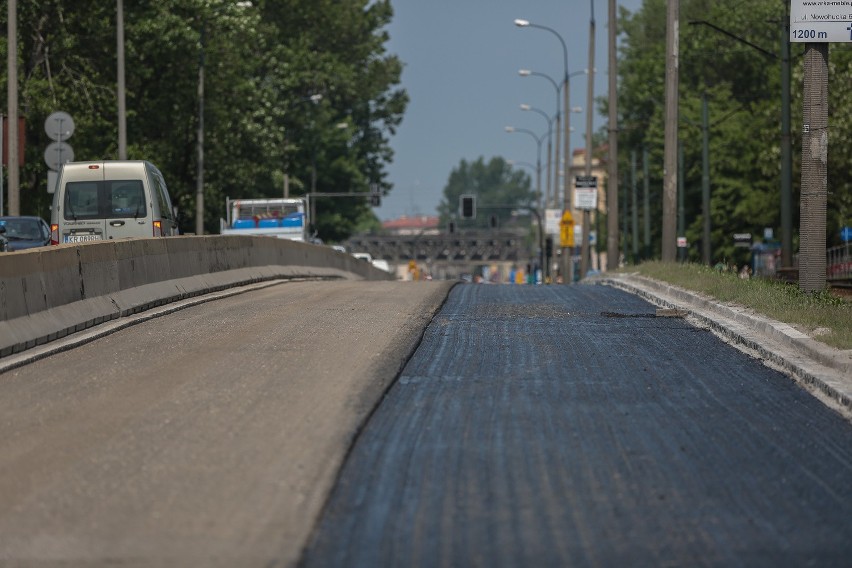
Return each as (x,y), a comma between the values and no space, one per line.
(417,225)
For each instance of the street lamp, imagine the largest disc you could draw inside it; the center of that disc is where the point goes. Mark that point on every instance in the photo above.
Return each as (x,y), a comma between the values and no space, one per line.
(527,24)
(552,197)
(538,141)
(526,107)
(199,188)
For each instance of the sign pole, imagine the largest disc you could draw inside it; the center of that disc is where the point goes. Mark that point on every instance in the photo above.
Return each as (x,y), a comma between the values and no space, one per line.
(816,27)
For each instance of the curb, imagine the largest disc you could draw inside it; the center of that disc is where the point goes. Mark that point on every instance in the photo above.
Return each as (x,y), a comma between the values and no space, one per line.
(809,362)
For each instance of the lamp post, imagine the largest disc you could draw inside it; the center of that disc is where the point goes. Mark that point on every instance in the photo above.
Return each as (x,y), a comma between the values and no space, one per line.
(566,101)
(199,186)
(538,141)
(552,196)
(567,202)
(549,120)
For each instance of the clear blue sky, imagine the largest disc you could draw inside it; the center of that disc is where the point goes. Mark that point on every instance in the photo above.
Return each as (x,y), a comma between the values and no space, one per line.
(461,72)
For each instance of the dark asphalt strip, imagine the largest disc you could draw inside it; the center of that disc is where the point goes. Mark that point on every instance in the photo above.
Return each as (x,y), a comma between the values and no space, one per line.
(534,428)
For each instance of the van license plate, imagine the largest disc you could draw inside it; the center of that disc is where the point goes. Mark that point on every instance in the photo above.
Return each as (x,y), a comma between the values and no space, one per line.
(81,238)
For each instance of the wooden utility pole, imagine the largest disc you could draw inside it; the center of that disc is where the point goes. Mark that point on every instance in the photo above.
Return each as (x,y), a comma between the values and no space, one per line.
(670,172)
(122,108)
(612,166)
(585,255)
(12,99)
(814,195)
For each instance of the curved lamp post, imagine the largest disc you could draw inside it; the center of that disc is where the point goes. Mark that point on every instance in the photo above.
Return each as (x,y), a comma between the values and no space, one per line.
(538,140)
(526,107)
(567,128)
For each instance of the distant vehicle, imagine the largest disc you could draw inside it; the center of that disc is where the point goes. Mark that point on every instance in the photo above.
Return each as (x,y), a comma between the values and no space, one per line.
(381,264)
(110,200)
(365,256)
(25,232)
(339,248)
(283,218)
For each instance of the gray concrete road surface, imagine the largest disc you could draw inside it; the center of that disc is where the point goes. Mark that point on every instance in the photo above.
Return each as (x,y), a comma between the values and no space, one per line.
(207,437)
(569,426)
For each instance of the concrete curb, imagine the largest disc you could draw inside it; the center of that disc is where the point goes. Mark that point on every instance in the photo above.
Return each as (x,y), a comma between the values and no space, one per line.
(808,361)
(46,294)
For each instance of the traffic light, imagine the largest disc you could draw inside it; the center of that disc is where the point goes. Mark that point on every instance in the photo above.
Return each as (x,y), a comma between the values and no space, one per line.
(451,227)
(467,204)
(376,200)
(548,247)
(493,221)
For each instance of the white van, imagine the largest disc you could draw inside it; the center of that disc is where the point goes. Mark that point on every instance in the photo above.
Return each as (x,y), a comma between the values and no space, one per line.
(110,200)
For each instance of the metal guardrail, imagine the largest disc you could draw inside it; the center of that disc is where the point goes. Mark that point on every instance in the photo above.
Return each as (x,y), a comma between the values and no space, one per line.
(839,263)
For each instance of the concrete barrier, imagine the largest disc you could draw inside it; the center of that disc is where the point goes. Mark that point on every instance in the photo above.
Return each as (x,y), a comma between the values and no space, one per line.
(48,293)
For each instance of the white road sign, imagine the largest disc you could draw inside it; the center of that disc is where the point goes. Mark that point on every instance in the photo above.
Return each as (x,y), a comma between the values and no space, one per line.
(821,21)
(552,217)
(57,153)
(59,126)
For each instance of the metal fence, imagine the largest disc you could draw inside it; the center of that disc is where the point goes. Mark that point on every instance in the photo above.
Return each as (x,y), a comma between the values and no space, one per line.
(839,263)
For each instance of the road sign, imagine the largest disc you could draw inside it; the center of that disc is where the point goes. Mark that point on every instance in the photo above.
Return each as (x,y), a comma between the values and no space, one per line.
(820,22)
(846,234)
(57,153)
(59,126)
(742,240)
(681,242)
(585,192)
(552,220)
(566,233)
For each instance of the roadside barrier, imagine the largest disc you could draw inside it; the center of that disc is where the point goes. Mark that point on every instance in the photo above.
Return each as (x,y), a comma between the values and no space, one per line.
(47,293)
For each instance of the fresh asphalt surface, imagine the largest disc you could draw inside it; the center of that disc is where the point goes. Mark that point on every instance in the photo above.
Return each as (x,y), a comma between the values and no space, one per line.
(568,426)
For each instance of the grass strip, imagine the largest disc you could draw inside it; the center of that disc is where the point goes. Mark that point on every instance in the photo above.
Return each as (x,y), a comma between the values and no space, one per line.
(824,316)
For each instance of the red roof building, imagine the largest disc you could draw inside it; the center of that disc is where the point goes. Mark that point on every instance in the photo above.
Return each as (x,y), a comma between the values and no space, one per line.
(418,225)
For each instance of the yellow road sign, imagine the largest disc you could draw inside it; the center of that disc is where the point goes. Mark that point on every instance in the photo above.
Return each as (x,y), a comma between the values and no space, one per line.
(566,230)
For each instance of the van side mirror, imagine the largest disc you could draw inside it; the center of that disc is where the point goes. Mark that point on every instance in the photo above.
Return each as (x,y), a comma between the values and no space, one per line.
(2,229)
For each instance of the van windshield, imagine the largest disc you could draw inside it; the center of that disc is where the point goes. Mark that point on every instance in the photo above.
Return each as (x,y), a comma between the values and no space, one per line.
(104,199)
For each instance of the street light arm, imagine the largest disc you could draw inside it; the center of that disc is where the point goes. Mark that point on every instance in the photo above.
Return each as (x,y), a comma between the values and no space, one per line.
(528,24)
(539,111)
(732,36)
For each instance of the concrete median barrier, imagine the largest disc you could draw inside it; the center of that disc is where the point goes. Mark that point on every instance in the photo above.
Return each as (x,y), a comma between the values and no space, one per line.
(50,292)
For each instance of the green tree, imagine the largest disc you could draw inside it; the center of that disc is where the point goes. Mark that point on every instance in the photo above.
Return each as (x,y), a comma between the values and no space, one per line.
(494,183)
(263,63)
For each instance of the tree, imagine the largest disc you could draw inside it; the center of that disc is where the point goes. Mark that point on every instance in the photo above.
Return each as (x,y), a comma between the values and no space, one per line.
(262,65)
(493,183)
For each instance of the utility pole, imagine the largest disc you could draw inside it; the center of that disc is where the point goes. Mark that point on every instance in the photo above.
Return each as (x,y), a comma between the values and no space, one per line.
(814,195)
(681,195)
(122,108)
(706,255)
(585,256)
(612,166)
(786,146)
(12,100)
(646,203)
(670,172)
(634,209)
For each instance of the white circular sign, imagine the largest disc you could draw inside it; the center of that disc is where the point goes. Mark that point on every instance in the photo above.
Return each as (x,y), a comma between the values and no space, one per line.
(59,126)
(57,153)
